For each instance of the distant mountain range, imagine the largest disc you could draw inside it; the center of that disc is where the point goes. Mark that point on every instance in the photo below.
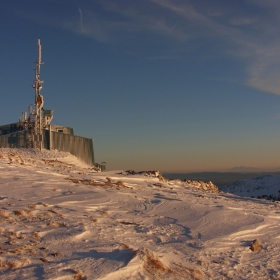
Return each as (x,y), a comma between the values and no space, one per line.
(220,179)
(267,186)
(252,169)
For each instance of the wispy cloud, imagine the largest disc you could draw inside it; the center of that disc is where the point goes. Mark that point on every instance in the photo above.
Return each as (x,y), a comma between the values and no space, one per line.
(248,29)
(253,34)
(263,68)
(81,21)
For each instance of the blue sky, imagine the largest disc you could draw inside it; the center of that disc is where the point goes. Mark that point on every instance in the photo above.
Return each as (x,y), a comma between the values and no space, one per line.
(172,85)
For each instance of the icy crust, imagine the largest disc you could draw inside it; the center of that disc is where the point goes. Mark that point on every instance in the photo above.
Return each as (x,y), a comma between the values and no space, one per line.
(61,221)
(267,186)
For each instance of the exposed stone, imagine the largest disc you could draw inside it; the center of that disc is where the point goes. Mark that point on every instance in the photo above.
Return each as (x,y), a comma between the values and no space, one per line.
(206,186)
(153,173)
(255,246)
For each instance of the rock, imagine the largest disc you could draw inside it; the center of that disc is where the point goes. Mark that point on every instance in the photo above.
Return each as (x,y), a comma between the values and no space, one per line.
(152,173)
(205,186)
(255,246)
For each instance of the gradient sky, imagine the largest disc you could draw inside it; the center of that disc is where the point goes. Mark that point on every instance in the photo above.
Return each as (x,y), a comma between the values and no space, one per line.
(171,85)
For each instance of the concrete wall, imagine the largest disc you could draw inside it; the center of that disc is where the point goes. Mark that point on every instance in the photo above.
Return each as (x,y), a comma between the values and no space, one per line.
(10,128)
(80,147)
(18,139)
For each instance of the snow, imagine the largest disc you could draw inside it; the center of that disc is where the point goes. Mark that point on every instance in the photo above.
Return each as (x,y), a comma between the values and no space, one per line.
(263,186)
(60,219)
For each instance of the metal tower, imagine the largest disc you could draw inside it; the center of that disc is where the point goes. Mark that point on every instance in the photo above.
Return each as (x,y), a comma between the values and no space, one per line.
(39,118)
(36,112)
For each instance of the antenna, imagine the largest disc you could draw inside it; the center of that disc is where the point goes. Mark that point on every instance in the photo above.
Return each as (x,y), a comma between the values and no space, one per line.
(37,82)
(36,122)
(39,101)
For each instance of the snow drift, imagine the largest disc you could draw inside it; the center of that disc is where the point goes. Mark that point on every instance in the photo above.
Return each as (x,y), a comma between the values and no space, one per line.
(60,219)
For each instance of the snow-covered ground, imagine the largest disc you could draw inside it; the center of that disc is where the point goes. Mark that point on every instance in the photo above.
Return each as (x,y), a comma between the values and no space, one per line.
(267,186)
(59,219)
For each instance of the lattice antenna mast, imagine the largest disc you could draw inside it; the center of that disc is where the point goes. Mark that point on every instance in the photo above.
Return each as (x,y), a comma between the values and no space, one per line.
(37,82)
(39,101)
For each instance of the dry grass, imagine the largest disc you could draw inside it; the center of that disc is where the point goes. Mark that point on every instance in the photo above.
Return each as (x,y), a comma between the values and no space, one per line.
(78,275)
(17,250)
(25,261)
(2,263)
(125,246)
(56,224)
(53,224)
(53,211)
(36,235)
(121,184)
(272,277)
(61,216)
(90,182)
(32,206)
(153,267)
(11,242)
(33,243)
(56,255)
(58,214)
(22,161)
(154,264)
(76,181)
(10,234)
(157,269)
(13,264)
(4,213)
(19,213)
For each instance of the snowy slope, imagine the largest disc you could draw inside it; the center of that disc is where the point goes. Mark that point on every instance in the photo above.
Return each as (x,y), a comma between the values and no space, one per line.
(264,186)
(62,220)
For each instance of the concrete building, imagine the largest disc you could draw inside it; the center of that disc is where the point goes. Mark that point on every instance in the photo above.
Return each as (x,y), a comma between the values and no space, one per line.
(34,130)
(54,137)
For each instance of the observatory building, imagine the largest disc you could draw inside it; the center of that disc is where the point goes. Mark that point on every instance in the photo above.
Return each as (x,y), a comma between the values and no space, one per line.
(34,130)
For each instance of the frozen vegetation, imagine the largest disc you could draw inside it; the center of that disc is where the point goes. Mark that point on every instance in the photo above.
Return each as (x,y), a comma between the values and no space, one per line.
(60,219)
